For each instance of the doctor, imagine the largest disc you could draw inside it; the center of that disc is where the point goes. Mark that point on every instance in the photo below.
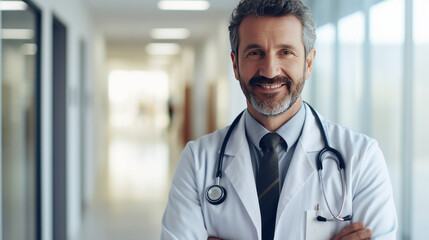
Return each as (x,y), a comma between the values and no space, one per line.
(272,55)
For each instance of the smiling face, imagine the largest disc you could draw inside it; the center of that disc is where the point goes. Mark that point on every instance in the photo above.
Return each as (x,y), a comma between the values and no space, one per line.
(272,66)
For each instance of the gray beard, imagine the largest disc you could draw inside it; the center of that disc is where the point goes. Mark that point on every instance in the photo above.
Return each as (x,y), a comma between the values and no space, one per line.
(270,107)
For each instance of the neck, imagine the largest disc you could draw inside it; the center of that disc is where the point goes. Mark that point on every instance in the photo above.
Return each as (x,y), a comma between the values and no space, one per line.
(272,123)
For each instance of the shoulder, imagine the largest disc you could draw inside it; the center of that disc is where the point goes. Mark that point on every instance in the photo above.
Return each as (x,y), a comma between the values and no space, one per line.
(360,152)
(343,139)
(209,141)
(215,139)
(346,137)
(204,149)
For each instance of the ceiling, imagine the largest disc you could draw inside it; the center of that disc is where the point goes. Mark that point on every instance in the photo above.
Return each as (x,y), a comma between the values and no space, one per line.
(132,20)
(126,25)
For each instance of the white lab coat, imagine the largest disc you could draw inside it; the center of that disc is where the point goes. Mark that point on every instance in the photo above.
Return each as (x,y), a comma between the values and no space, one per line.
(190,216)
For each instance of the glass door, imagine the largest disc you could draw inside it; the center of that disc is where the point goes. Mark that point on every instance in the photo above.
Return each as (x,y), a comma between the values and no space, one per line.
(20,64)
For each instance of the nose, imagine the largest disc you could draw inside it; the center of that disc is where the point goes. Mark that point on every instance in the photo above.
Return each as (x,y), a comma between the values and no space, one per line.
(270,66)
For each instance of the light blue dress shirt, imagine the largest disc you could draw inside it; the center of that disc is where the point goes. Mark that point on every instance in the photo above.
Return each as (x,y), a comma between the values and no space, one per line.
(290,132)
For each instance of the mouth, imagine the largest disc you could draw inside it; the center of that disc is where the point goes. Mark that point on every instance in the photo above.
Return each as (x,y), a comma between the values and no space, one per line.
(270,86)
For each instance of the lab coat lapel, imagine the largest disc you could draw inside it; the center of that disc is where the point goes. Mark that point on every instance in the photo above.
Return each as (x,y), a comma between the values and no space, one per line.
(239,171)
(300,170)
(301,167)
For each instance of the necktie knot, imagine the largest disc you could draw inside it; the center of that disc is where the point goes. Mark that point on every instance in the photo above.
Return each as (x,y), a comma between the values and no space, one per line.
(270,141)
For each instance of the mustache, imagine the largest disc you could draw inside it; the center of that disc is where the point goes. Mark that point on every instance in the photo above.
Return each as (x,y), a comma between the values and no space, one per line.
(257,80)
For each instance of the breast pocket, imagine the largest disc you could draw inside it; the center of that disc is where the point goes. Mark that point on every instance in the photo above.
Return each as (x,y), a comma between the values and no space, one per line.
(322,230)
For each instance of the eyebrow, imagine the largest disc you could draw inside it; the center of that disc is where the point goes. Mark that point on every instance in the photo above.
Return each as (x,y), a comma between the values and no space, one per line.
(281,46)
(251,46)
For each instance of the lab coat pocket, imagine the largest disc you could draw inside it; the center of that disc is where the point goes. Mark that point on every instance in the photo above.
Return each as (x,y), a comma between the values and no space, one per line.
(316,230)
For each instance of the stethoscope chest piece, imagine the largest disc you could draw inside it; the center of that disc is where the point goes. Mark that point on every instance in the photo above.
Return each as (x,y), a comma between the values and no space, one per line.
(216,194)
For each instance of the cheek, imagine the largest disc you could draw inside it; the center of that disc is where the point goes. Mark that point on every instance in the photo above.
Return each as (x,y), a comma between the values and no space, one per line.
(247,71)
(294,70)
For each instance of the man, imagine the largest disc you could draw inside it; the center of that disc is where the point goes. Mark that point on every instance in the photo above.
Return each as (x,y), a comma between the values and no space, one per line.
(274,191)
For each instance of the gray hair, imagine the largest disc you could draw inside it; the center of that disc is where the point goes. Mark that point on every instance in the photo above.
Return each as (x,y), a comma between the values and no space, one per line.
(274,8)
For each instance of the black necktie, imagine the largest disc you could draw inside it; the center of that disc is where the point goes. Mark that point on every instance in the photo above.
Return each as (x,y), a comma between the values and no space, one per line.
(267,184)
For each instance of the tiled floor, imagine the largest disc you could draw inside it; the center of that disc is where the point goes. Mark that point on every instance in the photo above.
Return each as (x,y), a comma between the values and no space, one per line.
(131,200)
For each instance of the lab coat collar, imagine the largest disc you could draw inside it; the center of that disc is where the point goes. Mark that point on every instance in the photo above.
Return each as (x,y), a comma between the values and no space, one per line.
(311,138)
(237,138)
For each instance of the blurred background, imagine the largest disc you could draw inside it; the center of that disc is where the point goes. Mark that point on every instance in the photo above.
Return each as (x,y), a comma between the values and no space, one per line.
(98,98)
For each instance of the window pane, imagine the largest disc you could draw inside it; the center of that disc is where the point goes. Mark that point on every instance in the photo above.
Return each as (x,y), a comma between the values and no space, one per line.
(351,38)
(387,38)
(18,114)
(421,118)
(322,81)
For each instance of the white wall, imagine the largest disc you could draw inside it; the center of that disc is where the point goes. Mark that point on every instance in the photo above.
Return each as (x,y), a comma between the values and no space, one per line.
(213,66)
(1,170)
(199,90)
(77,20)
(99,114)
(234,98)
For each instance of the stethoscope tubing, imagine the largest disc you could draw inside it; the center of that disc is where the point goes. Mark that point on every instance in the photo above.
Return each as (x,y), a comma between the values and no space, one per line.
(341,168)
(216,194)
(327,149)
(340,212)
(222,149)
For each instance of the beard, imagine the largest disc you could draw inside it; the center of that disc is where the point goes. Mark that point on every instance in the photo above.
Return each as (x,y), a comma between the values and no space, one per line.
(269,104)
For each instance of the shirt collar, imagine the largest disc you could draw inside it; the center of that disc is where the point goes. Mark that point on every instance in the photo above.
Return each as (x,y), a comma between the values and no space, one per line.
(290,131)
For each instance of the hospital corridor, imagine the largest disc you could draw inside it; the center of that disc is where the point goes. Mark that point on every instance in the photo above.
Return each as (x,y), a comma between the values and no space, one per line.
(98,99)
(130,195)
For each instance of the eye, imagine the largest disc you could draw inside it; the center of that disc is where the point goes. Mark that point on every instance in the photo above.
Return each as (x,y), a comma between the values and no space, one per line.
(255,53)
(286,52)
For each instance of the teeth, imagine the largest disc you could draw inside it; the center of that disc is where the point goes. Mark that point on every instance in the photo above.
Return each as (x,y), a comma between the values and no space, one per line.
(270,86)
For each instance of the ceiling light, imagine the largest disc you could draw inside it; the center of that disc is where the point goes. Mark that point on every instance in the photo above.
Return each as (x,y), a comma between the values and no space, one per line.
(170,33)
(184,5)
(17,34)
(12,6)
(163,48)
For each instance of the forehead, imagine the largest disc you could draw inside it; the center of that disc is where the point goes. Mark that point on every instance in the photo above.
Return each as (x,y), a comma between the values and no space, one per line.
(271,30)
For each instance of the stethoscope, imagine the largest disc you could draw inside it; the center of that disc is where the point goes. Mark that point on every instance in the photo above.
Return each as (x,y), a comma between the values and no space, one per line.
(216,194)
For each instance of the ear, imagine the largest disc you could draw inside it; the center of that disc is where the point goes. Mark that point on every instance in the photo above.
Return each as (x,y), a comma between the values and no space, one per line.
(234,65)
(309,63)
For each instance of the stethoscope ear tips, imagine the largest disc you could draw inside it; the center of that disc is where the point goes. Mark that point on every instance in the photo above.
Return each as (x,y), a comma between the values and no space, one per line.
(215,194)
